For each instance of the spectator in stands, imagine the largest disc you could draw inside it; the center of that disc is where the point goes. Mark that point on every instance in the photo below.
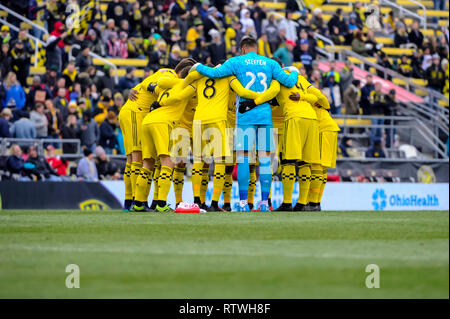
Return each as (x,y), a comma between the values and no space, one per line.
(14,93)
(69,131)
(54,120)
(194,33)
(109,30)
(128,81)
(401,37)
(358,44)
(86,169)
(383,60)
(216,49)
(365,94)
(316,79)
(15,162)
(270,27)
(317,21)
(212,21)
(435,75)
(55,46)
(38,93)
(20,61)
(290,25)
(345,146)
(415,35)
(200,52)
(118,103)
(106,167)
(5,36)
(351,98)
(123,45)
(5,116)
(83,60)
(158,58)
(346,76)
(5,59)
(108,136)
(107,81)
(377,108)
(375,150)
(117,10)
(305,55)
(70,74)
(404,67)
(40,167)
(23,127)
(337,20)
(88,131)
(56,162)
(97,46)
(332,91)
(40,121)
(174,57)
(284,53)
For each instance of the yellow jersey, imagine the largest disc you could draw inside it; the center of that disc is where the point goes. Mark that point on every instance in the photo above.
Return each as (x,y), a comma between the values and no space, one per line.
(231,112)
(277,116)
(188,115)
(145,98)
(171,110)
(326,122)
(292,108)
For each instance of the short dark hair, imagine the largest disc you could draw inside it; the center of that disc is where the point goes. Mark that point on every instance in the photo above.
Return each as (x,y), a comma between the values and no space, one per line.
(184,72)
(187,62)
(248,41)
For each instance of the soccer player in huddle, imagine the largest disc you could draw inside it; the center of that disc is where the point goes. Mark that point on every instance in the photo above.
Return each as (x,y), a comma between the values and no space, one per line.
(254,125)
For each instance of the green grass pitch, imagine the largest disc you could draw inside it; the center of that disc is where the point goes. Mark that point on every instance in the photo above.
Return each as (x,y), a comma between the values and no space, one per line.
(224,255)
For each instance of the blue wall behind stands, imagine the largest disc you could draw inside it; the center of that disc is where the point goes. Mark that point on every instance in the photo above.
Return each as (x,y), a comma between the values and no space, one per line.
(339,196)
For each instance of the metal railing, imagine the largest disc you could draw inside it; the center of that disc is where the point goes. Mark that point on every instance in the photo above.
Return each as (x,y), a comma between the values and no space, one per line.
(393,123)
(404,11)
(6,143)
(23,19)
(36,40)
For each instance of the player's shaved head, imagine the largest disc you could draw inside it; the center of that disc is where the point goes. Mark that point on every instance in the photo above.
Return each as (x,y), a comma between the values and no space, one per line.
(187,62)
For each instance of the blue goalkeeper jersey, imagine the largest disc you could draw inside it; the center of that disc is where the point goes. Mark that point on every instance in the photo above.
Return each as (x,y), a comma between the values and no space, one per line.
(255,72)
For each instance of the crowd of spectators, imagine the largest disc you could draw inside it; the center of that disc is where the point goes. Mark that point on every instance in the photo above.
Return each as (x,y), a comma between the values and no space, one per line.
(75,99)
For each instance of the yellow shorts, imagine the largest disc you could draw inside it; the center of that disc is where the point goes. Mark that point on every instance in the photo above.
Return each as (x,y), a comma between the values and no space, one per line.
(211,140)
(131,125)
(156,140)
(328,148)
(301,140)
(181,142)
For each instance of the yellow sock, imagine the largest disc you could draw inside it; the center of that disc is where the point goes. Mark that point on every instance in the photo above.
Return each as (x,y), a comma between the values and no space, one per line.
(178,182)
(127,181)
(135,170)
(143,183)
(156,172)
(316,183)
(227,186)
(204,186)
(288,181)
(304,180)
(164,182)
(324,181)
(218,180)
(251,187)
(197,178)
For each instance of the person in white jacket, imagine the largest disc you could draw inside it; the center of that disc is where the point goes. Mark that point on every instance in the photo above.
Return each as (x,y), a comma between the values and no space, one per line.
(290,26)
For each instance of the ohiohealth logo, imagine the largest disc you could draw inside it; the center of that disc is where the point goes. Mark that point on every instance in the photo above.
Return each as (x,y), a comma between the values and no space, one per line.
(379,199)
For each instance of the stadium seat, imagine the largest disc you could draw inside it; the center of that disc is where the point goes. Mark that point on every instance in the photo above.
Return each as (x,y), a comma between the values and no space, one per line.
(270,5)
(407,3)
(385,40)
(337,48)
(397,51)
(398,81)
(349,1)
(352,122)
(422,93)
(421,82)
(434,13)
(138,63)
(443,103)
(37,70)
(3,14)
(138,72)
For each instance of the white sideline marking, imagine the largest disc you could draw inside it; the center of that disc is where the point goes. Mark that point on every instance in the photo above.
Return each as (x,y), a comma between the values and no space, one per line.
(148,251)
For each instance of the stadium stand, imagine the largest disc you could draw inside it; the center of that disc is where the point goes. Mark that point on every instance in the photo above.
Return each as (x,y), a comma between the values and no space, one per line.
(86,71)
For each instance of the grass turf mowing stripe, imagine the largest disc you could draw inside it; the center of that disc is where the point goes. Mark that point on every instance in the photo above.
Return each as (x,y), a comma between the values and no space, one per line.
(257,255)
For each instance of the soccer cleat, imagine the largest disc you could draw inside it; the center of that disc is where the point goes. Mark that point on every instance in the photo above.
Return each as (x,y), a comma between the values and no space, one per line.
(284,207)
(243,209)
(299,208)
(314,208)
(204,207)
(142,209)
(264,208)
(153,205)
(165,209)
(128,205)
(226,207)
(215,209)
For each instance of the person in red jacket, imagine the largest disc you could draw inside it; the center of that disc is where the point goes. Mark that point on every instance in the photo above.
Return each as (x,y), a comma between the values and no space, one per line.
(59,165)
